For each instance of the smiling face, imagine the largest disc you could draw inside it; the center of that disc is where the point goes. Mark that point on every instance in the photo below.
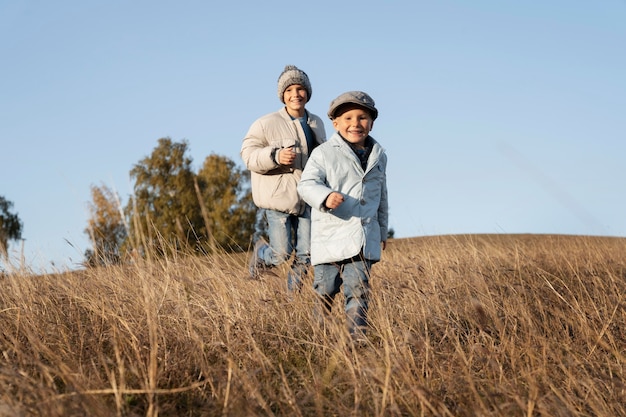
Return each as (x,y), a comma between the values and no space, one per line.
(295,98)
(354,124)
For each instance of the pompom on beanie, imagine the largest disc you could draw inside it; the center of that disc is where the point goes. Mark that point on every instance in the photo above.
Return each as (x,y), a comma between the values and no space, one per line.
(292,75)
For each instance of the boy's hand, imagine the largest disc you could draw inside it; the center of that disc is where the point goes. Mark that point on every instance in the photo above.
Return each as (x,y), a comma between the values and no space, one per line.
(333,200)
(286,156)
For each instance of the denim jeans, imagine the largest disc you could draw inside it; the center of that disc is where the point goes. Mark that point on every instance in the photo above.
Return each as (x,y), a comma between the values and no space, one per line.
(354,275)
(289,233)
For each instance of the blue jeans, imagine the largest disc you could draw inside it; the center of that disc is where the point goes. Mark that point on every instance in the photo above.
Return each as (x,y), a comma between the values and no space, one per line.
(289,233)
(354,275)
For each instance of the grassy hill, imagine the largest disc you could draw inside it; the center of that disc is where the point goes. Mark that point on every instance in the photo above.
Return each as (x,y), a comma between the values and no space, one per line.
(490,325)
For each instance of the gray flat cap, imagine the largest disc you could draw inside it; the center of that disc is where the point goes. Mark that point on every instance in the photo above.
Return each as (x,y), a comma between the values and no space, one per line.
(353,97)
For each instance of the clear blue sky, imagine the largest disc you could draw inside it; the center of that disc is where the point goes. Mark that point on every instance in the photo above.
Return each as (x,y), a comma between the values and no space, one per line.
(497,116)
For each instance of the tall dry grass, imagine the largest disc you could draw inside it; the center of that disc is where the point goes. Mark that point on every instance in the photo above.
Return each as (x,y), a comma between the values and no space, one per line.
(478,325)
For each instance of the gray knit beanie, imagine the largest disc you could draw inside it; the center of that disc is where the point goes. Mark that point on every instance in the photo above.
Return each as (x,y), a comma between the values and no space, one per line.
(292,75)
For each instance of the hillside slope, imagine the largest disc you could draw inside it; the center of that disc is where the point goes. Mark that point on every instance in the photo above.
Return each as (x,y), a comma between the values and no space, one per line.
(461,325)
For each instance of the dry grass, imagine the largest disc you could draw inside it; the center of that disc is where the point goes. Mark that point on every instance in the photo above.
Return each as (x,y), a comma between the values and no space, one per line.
(522,325)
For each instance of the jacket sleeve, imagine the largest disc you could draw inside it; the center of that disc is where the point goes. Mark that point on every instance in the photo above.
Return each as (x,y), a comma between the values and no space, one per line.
(312,186)
(383,209)
(317,125)
(256,152)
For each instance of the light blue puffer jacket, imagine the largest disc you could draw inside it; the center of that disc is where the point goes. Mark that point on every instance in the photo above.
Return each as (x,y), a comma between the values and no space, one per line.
(361,221)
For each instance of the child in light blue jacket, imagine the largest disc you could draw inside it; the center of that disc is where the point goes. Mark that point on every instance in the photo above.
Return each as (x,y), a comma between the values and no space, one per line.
(345,184)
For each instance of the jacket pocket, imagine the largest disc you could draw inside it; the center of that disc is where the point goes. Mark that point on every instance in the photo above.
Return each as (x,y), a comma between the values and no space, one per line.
(284,194)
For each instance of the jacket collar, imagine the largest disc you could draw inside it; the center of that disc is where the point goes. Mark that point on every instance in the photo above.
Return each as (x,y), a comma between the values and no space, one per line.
(287,116)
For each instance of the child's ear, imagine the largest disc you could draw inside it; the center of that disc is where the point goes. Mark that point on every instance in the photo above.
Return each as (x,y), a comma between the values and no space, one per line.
(335,123)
